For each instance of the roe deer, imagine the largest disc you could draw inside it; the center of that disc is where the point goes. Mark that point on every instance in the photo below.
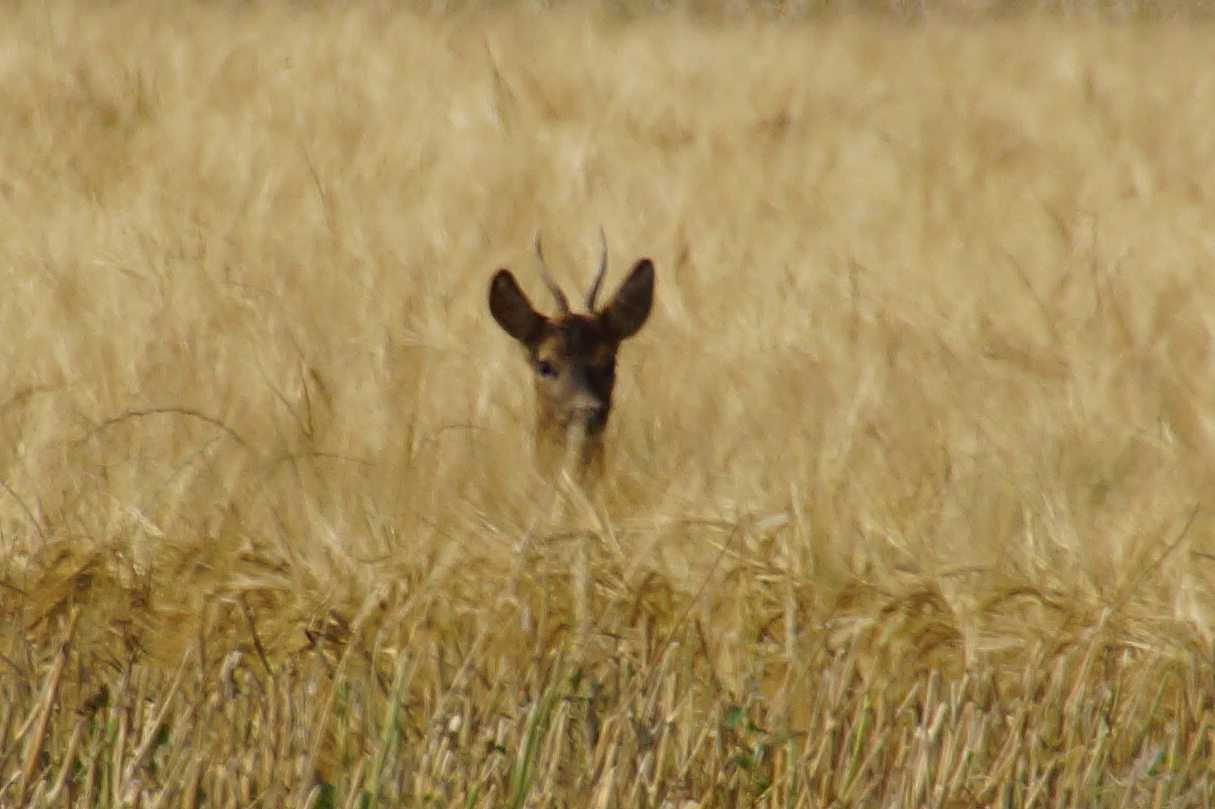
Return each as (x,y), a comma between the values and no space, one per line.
(573,356)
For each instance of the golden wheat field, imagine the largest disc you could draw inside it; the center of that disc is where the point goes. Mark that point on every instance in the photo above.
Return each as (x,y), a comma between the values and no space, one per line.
(910,474)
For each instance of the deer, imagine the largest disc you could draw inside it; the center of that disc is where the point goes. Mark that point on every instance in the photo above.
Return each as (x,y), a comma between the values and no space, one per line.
(573,357)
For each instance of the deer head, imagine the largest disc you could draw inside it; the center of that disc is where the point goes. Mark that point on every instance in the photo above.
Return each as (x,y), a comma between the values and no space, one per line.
(573,354)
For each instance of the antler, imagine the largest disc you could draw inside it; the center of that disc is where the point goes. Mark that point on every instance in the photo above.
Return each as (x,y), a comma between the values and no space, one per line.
(563,303)
(590,296)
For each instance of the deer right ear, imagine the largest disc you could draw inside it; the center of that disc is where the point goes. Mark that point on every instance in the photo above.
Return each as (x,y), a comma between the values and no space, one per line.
(628,310)
(511,308)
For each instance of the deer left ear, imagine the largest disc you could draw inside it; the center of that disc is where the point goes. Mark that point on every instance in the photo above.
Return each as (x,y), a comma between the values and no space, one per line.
(630,306)
(513,311)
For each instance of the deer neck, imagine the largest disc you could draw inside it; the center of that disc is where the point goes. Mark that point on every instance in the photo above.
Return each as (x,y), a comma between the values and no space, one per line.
(578,450)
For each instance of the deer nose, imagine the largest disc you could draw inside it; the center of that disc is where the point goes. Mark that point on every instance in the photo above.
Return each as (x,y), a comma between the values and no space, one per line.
(589,407)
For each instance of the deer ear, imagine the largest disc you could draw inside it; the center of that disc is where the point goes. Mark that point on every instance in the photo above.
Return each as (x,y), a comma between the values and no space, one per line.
(629,308)
(511,308)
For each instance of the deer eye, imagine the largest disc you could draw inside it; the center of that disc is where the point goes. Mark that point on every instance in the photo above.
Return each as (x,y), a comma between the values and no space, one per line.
(546,369)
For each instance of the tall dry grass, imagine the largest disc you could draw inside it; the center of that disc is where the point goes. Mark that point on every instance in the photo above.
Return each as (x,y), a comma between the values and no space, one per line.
(911,468)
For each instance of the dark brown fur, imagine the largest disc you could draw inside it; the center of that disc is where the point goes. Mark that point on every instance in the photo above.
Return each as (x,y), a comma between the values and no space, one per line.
(573,358)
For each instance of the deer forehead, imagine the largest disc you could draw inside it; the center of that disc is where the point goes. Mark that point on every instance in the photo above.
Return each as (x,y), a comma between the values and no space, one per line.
(577,338)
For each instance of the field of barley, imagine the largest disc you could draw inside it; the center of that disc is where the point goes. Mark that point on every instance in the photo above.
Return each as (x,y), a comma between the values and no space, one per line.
(911,473)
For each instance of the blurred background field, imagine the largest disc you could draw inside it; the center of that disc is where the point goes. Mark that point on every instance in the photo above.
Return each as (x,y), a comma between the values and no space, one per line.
(911,469)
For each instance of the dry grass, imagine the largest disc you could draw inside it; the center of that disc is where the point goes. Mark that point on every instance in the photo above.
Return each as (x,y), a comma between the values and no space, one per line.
(911,469)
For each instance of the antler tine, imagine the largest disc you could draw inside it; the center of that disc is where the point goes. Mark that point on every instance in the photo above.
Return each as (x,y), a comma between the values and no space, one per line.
(563,302)
(590,296)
